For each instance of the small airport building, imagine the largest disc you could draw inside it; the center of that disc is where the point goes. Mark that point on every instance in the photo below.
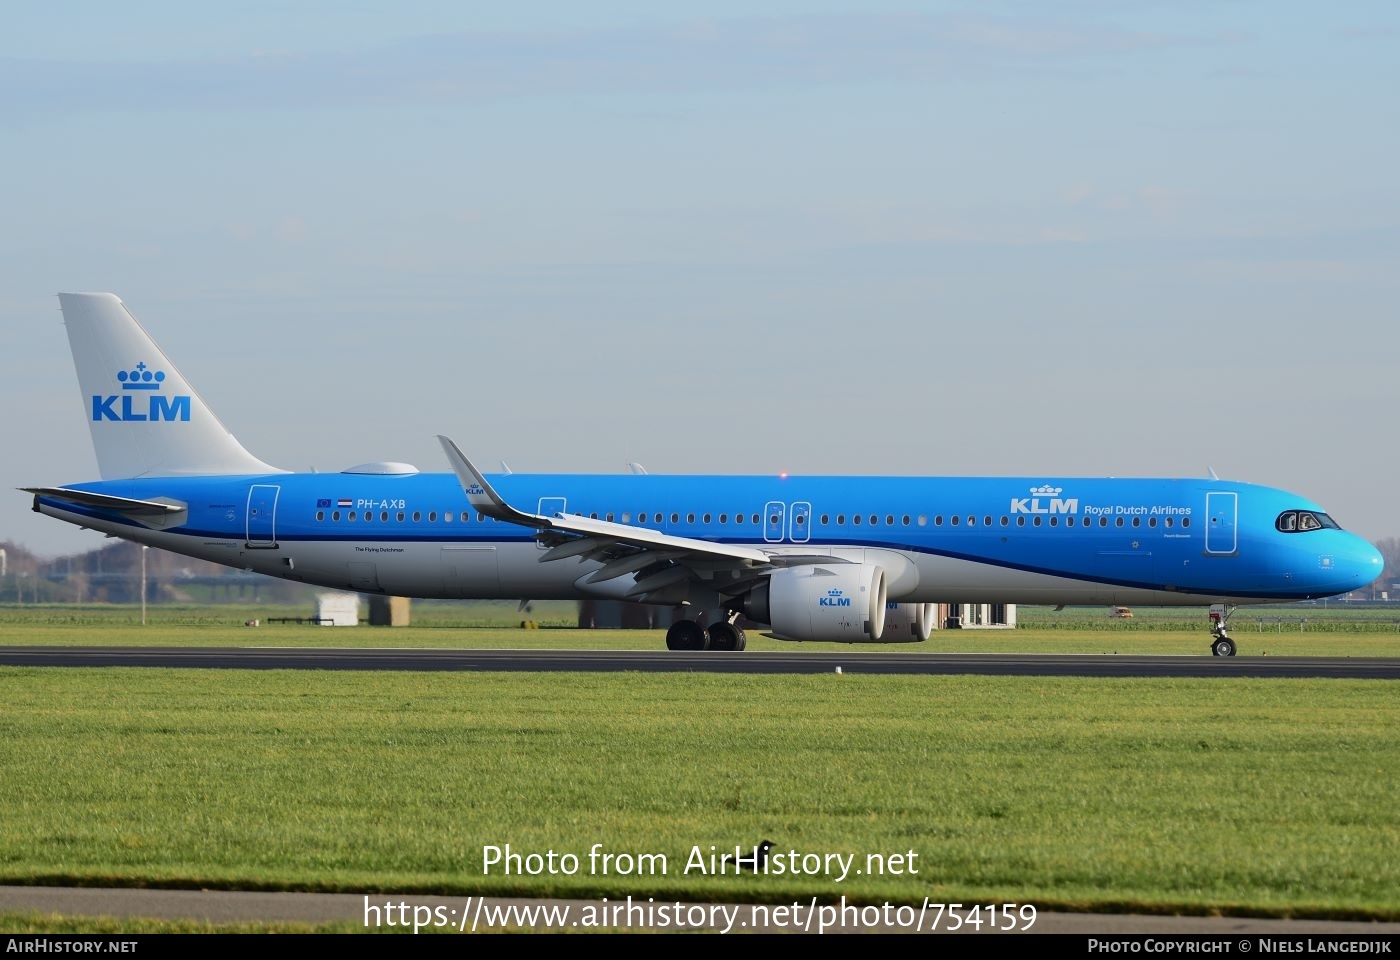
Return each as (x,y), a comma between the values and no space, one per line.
(617,615)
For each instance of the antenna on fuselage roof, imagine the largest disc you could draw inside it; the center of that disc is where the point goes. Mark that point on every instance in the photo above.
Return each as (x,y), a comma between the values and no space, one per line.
(1211,471)
(505,467)
(636,468)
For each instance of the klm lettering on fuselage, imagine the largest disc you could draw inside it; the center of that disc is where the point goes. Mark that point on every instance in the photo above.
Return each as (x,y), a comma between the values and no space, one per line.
(834,598)
(140,381)
(1044,499)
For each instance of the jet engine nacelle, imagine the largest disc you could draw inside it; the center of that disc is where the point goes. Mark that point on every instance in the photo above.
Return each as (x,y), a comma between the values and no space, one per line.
(840,603)
(909,622)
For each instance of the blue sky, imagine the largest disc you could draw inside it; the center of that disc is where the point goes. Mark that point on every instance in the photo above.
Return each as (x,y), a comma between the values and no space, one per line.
(1084,238)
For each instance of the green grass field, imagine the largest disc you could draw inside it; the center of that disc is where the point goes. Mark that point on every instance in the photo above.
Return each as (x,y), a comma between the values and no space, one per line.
(1153,631)
(1252,796)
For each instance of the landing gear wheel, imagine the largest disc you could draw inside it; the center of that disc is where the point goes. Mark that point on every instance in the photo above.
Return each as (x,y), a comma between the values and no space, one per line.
(1222,647)
(725,636)
(686,635)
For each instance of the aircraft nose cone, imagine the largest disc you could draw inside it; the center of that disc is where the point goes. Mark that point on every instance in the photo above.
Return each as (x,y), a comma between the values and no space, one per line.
(1373,561)
(1367,564)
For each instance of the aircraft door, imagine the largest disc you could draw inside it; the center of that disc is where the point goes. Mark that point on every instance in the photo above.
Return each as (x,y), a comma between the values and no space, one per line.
(262,516)
(773,514)
(1222,512)
(800,521)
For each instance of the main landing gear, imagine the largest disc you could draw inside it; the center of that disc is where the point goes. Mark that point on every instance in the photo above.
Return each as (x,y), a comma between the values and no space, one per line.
(1221,645)
(689,635)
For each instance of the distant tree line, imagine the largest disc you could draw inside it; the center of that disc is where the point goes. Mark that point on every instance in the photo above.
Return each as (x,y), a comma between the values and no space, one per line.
(112,574)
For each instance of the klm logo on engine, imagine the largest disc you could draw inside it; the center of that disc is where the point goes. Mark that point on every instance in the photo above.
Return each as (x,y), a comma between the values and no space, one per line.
(141,399)
(834,598)
(1044,499)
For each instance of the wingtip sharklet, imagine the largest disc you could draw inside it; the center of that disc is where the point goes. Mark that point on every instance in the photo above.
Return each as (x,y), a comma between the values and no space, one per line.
(480,494)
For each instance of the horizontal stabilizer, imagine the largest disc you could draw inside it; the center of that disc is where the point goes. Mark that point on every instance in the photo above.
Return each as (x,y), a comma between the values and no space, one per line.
(103,501)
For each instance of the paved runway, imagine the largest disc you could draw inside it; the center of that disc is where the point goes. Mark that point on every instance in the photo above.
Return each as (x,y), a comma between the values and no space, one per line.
(602,661)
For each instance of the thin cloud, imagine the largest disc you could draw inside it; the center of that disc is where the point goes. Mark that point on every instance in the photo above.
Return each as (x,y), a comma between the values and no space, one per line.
(707,55)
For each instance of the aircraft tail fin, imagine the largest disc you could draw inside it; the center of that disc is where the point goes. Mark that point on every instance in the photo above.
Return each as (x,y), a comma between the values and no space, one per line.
(146,419)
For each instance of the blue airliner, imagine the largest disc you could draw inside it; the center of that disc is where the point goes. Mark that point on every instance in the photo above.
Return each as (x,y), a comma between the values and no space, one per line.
(849,559)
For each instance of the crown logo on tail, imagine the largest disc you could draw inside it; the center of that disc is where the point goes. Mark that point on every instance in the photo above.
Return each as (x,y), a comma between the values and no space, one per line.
(141,378)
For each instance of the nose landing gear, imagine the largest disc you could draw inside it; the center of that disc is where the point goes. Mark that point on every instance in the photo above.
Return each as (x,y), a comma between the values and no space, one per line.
(1221,645)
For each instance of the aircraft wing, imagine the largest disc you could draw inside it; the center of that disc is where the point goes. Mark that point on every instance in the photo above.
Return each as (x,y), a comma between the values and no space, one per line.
(656,560)
(486,500)
(103,501)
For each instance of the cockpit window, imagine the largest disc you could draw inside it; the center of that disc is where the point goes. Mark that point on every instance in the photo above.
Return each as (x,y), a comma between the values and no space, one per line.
(1301,521)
